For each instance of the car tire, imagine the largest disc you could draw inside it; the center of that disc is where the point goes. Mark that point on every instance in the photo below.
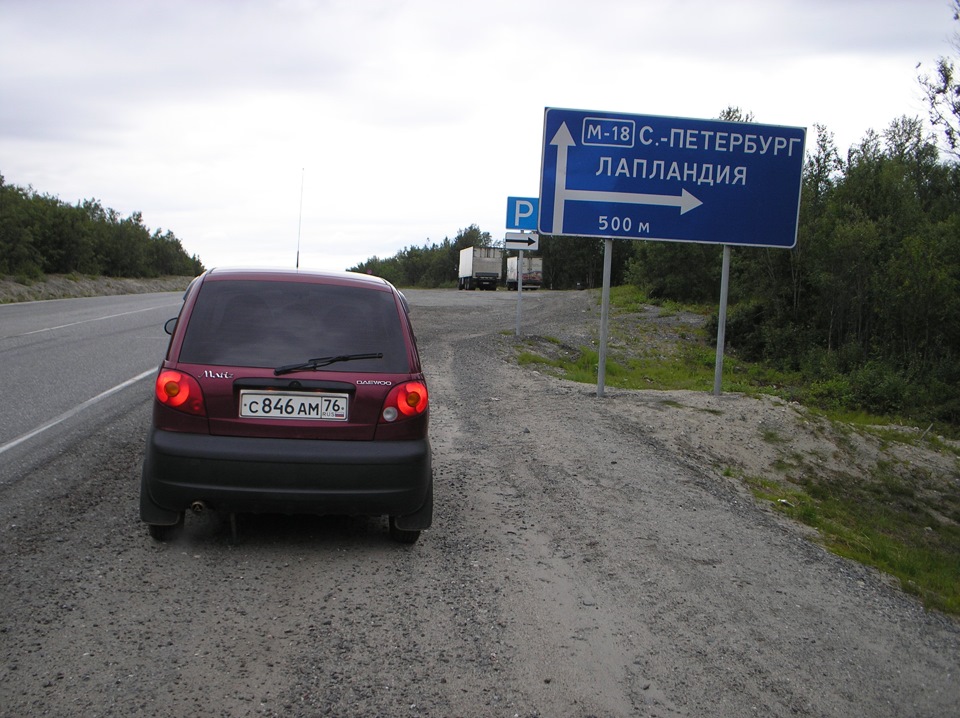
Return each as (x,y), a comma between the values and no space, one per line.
(162,532)
(404,536)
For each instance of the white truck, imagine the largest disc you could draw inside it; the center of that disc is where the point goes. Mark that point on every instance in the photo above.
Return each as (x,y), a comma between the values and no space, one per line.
(532,272)
(480,267)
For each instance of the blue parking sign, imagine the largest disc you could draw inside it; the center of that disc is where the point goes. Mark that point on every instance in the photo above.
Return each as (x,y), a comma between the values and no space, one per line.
(522,212)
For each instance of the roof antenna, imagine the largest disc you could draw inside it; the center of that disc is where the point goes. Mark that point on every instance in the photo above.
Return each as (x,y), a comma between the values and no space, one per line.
(300,220)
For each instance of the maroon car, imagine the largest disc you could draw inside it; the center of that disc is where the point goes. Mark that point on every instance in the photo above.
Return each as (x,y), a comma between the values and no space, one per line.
(290,392)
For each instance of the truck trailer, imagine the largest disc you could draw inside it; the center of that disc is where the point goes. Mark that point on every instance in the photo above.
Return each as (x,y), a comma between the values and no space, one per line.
(480,267)
(532,272)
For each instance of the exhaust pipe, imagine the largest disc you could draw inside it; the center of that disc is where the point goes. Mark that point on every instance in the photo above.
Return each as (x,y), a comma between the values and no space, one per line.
(198,507)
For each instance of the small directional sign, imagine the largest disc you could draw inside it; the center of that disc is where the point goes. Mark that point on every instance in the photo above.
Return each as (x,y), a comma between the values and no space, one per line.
(666,178)
(522,240)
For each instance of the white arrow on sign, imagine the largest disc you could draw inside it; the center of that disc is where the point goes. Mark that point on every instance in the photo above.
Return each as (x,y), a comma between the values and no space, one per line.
(564,141)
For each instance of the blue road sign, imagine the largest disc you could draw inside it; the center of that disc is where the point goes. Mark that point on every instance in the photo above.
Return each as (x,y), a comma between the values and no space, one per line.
(522,212)
(625,176)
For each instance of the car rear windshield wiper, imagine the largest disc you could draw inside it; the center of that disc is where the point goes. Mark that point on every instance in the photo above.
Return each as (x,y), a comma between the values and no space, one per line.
(313,364)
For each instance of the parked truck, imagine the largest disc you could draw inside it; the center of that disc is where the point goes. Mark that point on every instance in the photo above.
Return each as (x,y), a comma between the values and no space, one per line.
(532,272)
(480,267)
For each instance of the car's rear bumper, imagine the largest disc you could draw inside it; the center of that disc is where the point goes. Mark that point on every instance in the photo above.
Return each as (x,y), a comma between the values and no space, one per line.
(284,475)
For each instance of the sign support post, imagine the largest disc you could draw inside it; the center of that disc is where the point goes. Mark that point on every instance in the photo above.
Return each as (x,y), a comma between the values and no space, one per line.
(604,315)
(521,241)
(519,286)
(722,320)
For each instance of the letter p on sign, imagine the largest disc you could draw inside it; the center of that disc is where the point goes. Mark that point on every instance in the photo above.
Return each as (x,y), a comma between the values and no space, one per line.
(522,212)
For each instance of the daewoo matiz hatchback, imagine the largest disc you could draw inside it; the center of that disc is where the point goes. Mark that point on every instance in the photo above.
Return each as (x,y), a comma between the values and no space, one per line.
(290,392)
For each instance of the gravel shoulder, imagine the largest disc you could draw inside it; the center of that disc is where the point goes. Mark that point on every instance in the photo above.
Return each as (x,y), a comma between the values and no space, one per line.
(588,558)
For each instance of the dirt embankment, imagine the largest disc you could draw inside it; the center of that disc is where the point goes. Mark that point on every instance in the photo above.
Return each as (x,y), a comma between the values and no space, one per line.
(758,438)
(68,286)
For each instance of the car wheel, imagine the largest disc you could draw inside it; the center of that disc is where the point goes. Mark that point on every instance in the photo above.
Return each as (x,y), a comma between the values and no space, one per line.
(402,535)
(161,532)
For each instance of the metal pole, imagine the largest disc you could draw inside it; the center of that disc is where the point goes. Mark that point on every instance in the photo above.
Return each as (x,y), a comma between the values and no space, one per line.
(519,286)
(300,218)
(722,320)
(604,315)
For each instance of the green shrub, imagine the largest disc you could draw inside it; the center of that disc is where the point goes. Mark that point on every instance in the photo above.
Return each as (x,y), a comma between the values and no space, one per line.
(879,388)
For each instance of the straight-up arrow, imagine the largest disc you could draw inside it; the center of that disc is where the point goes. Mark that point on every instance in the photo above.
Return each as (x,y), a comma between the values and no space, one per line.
(563,141)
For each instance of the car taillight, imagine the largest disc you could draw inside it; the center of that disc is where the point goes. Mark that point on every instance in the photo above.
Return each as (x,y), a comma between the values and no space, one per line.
(404,401)
(180,391)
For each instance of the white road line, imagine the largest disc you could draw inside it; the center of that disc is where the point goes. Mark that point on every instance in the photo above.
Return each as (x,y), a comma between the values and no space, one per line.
(87,321)
(75,410)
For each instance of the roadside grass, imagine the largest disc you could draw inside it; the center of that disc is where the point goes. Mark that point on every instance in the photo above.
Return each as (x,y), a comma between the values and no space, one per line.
(878,523)
(884,519)
(637,358)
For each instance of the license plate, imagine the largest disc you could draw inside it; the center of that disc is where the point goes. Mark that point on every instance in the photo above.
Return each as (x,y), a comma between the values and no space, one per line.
(293,405)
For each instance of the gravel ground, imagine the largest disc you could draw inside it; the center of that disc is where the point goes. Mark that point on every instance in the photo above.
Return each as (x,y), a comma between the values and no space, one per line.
(587,559)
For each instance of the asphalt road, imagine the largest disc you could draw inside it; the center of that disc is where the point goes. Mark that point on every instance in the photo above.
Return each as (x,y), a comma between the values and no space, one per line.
(66,360)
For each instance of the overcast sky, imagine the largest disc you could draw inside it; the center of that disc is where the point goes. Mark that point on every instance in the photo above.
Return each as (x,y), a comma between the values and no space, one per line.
(405,121)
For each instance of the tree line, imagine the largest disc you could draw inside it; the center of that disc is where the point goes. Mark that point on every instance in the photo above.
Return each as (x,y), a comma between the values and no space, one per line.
(40,234)
(428,266)
(568,261)
(866,306)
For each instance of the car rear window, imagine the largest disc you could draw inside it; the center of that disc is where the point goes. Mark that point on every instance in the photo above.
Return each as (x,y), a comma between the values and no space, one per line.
(270,324)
